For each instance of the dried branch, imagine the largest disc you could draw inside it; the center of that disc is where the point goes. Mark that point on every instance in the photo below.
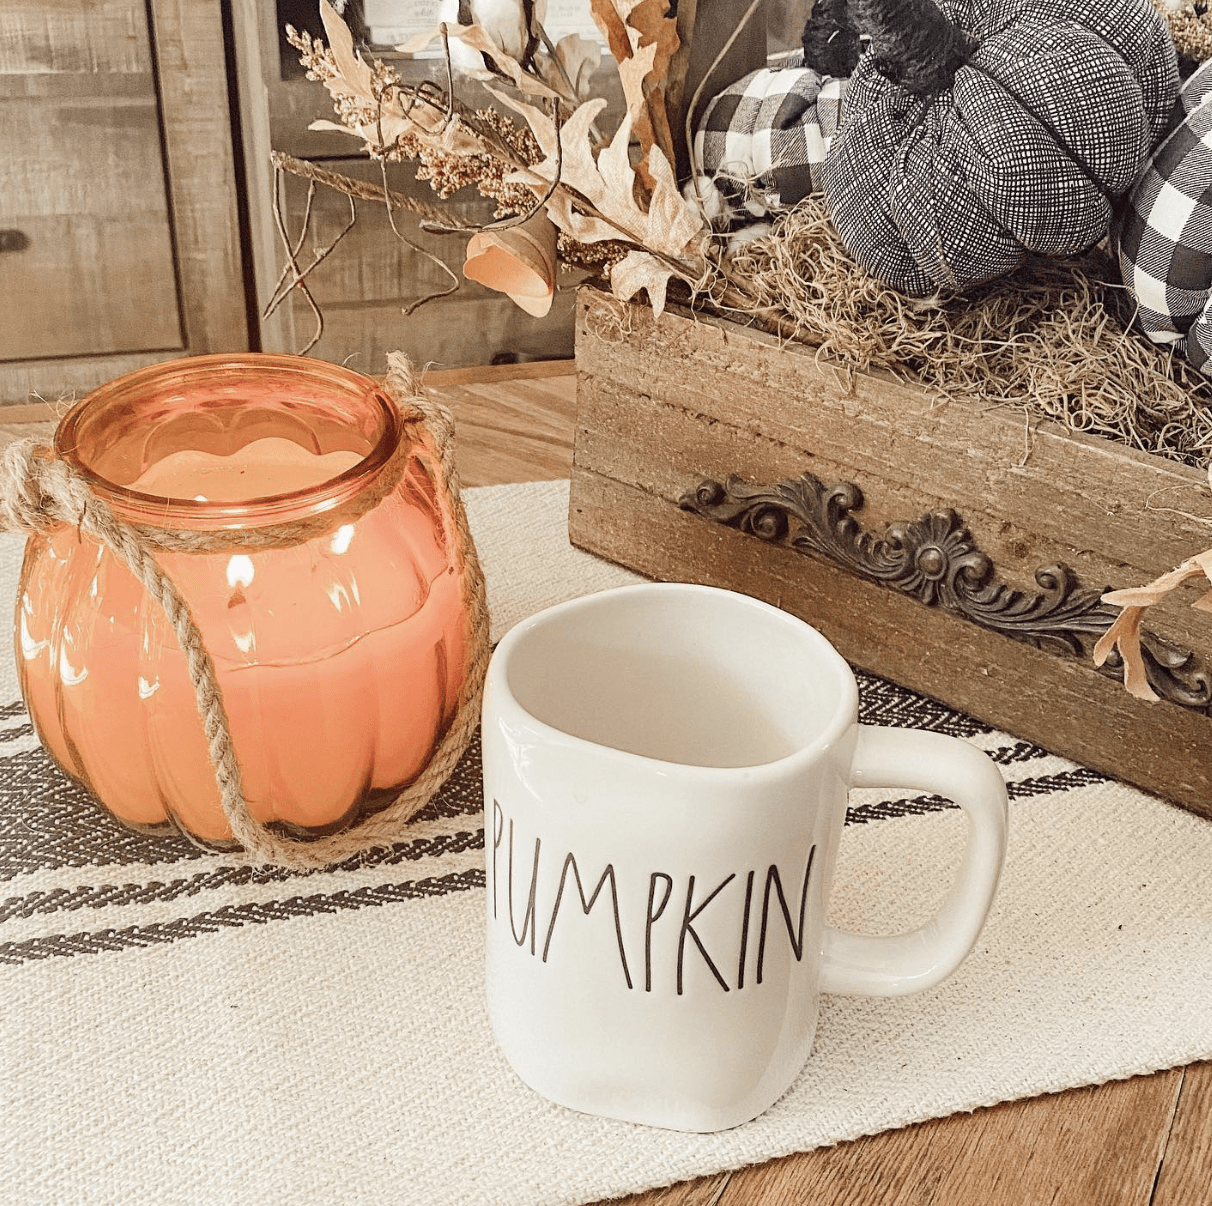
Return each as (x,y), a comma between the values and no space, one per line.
(366,190)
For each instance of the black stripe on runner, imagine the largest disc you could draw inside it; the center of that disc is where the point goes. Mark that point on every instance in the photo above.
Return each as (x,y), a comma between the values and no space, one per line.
(234,916)
(1063,781)
(102,896)
(1020,751)
(48,821)
(883,702)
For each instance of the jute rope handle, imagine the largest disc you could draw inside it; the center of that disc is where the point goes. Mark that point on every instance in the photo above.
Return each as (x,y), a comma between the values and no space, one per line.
(39,492)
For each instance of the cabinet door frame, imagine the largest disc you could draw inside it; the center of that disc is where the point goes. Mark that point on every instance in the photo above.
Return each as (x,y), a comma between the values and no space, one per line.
(190,64)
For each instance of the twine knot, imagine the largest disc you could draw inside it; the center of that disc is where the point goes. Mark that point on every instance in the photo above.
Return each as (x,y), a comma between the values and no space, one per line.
(39,491)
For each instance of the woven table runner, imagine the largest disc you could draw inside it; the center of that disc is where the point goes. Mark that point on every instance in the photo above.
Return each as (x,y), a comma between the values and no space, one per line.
(175,1029)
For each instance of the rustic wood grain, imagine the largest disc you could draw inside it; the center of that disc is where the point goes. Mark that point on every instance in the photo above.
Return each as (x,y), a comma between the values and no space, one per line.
(60,382)
(663,405)
(366,283)
(119,169)
(1088,1147)
(1186,1171)
(83,183)
(192,83)
(376,272)
(1062,703)
(912,450)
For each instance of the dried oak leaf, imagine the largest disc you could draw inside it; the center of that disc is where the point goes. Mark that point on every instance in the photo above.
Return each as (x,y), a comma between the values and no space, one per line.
(578,58)
(669,233)
(607,19)
(1124,632)
(643,41)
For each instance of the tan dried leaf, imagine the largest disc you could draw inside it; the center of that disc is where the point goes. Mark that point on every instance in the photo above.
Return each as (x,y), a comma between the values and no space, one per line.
(421,41)
(1153,592)
(477,38)
(582,227)
(355,79)
(639,270)
(519,261)
(579,59)
(1125,633)
(608,20)
(653,40)
(671,226)
(655,28)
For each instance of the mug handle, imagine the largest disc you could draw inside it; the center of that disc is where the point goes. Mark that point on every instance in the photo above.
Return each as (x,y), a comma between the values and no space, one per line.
(870,965)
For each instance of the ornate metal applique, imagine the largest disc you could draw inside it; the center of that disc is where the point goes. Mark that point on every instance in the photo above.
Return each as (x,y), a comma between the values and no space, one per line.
(936,560)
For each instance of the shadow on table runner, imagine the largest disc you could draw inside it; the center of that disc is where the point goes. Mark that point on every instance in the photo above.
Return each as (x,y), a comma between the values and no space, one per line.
(72,866)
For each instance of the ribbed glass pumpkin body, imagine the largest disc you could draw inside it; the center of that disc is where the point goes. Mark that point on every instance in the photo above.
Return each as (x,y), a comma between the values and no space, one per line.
(340,658)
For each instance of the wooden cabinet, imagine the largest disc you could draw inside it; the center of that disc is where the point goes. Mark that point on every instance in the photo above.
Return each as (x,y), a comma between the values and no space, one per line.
(120,239)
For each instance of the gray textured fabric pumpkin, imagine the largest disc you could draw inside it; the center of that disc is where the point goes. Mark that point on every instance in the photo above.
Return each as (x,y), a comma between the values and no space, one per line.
(978,132)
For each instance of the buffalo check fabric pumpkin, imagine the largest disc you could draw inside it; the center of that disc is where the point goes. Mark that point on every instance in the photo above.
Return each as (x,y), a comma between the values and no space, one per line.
(1164,234)
(1048,118)
(764,139)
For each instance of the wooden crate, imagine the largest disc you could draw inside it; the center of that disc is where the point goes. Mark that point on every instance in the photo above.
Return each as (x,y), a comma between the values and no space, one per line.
(958,549)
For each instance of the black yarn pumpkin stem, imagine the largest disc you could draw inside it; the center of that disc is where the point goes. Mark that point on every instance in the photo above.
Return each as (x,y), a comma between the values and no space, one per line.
(915,45)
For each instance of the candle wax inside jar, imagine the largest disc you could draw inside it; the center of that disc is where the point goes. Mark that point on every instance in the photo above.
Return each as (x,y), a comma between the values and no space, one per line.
(262,468)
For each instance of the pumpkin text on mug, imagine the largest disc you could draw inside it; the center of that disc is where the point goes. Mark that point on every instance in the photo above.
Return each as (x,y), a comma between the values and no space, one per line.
(739,891)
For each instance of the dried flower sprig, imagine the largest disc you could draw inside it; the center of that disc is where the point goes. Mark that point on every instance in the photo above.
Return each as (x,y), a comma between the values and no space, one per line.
(592,188)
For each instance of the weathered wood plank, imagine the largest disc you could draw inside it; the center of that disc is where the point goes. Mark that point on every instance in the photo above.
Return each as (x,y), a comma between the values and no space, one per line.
(1098,1145)
(191,71)
(665,404)
(1186,1170)
(671,447)
(1060,703)
(73,38)
(376,272)
(86,285)
(92,272)
(706,1191)
(1074,490)
(61,382)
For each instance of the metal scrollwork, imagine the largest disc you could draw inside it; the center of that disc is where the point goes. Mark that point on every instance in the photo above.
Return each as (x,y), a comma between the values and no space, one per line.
(936,560)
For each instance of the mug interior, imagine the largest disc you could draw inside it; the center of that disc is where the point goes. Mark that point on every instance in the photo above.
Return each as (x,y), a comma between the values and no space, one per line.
(684,674)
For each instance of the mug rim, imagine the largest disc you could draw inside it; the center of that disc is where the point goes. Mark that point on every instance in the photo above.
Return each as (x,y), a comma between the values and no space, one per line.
(845,716)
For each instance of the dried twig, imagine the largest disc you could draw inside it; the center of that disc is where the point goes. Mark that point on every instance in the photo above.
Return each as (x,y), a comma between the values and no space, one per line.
(366,190)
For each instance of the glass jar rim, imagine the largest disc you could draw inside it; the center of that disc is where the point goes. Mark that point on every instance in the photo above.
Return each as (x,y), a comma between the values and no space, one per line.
(163,510)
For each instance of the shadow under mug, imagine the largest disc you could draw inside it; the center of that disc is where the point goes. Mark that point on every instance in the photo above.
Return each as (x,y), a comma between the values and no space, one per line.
(666,770)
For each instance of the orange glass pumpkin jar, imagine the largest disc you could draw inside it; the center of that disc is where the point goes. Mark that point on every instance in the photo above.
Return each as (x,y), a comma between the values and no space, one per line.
(340,657)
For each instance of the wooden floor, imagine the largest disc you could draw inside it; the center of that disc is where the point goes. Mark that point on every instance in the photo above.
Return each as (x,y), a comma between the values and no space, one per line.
(1134,1142)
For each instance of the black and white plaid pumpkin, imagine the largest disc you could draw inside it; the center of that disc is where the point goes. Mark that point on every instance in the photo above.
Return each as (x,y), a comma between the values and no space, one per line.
(764,139)
(1163,236)
(980,131)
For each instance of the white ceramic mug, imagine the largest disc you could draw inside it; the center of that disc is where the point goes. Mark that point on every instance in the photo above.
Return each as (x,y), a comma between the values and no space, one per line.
(666,769)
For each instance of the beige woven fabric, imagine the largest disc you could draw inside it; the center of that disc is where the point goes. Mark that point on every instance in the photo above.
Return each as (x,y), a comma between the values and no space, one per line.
(182,1032)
